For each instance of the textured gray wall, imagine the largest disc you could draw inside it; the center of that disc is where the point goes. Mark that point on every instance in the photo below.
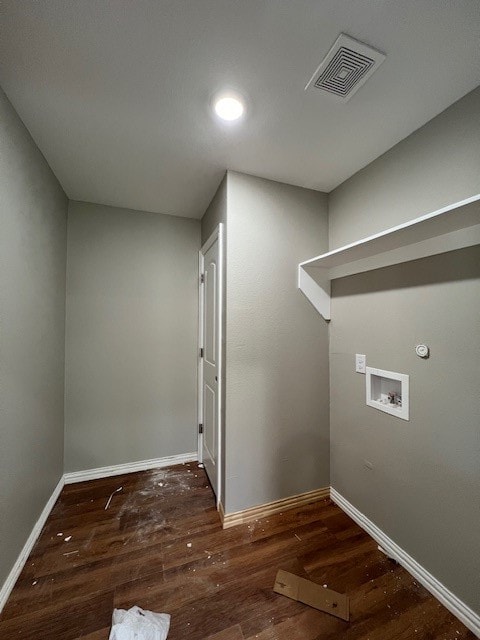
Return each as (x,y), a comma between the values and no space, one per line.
(435,166)
(277,424)
(423,490)
(33,211)
(216,211)
(131,336)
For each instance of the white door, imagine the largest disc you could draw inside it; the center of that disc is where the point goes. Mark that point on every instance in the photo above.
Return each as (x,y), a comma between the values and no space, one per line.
(210,356)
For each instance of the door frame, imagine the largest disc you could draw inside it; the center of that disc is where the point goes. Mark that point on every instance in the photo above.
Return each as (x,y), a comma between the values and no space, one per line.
(217,234)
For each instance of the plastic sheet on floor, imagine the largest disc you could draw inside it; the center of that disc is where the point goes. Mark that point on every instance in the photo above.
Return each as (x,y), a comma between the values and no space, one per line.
(139,624)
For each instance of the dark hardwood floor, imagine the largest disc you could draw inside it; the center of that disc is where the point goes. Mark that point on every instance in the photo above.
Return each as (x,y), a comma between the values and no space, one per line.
(160,545)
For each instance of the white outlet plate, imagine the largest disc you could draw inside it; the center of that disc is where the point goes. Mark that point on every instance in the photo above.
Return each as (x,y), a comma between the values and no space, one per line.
(360,363)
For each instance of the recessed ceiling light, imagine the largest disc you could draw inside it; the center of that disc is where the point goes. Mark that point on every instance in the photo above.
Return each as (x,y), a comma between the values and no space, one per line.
(229,108)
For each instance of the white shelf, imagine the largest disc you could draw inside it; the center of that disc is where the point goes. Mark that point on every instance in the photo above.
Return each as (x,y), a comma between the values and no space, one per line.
(453,227)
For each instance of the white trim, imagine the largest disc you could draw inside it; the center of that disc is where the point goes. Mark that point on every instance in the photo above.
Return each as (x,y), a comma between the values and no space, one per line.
(128,467)
(220,362)
(29,544)
(201,286)
(316,290)
(218,234)
(459,609)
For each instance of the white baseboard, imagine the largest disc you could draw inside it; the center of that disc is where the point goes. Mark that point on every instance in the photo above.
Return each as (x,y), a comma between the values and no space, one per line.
(128,467)
(459,609)
(28,546)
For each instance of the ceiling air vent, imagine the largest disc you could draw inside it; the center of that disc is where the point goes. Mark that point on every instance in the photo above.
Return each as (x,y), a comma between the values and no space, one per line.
(348,64)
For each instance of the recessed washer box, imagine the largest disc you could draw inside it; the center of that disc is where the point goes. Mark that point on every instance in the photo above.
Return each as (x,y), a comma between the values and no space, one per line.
(388,391)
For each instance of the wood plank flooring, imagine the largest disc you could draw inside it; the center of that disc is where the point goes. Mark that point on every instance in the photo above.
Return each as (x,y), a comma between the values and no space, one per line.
(159,544)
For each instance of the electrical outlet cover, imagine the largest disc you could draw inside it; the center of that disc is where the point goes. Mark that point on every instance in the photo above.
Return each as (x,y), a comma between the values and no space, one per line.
(360,363)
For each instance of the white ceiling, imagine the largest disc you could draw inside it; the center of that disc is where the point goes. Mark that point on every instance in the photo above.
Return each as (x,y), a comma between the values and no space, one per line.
(116,92)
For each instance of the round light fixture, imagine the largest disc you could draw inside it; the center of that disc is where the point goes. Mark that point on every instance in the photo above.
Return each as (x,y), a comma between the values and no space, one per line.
(229,108)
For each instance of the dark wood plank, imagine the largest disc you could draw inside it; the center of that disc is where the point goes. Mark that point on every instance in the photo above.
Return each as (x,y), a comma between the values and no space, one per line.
(233,633)
(63,620)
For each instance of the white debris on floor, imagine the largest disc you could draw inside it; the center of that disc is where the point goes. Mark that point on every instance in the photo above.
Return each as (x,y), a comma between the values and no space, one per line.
(139,624)
(111,496)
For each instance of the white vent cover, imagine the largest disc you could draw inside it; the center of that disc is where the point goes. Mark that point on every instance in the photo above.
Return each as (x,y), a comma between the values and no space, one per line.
(347,66)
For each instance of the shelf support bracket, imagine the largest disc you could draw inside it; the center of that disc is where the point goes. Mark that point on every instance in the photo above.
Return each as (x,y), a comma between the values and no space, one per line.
(314,283)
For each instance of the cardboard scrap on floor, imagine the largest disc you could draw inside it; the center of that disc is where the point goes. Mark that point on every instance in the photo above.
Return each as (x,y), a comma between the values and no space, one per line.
(313,594)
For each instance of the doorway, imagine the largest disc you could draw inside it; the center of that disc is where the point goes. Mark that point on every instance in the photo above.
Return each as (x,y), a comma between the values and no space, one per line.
(210,358)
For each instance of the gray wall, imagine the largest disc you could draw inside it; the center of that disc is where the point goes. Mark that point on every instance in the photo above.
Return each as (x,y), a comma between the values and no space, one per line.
(423,490)
(277,423)
(435,166)
(131,336)
(216,211)
(32,336)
